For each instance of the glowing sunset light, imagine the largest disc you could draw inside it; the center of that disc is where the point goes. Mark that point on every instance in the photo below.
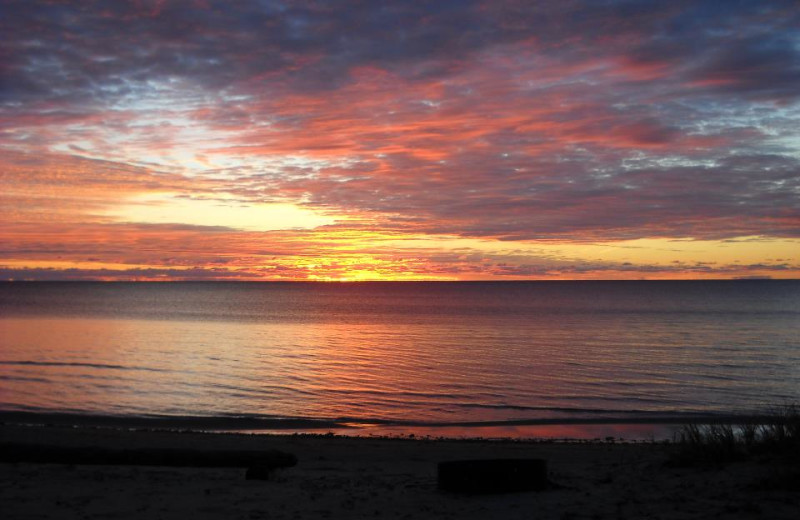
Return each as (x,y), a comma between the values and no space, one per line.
(456,141)
(170,209)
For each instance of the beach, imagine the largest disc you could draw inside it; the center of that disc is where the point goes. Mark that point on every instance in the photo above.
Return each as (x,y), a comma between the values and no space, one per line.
(352,477)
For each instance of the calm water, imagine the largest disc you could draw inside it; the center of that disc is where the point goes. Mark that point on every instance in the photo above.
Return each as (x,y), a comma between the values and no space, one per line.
(402,353)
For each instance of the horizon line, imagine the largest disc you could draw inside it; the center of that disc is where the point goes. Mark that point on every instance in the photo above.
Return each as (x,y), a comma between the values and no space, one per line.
(518,280)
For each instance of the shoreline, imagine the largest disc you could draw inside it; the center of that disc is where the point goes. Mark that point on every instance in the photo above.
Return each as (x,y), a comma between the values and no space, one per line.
(360,477)
(637,428)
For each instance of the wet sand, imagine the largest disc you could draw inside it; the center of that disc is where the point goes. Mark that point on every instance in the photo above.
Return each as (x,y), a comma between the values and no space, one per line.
(344,477)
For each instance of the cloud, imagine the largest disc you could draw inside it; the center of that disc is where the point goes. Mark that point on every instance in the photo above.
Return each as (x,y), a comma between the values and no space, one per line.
(570,121)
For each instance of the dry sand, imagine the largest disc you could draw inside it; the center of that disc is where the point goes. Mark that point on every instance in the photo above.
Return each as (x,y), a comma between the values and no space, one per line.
(340,477)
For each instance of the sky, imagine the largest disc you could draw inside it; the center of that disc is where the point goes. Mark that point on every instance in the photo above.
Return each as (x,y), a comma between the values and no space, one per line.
(365,140)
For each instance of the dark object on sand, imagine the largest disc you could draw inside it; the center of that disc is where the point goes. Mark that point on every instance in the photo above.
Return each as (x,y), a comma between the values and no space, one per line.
(493,475)
(259,472)
(48,454)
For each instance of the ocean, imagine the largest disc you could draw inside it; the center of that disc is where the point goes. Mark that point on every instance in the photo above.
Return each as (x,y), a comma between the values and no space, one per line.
(298,355)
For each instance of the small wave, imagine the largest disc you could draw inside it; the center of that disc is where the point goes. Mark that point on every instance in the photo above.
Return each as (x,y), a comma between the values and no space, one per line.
(80,364)
(23,378)
(33,415)
(560,409)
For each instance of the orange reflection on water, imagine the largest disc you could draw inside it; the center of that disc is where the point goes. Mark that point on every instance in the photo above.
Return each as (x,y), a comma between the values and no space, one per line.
(102,365)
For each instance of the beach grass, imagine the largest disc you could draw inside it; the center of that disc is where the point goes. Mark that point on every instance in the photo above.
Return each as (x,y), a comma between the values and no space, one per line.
(776,434)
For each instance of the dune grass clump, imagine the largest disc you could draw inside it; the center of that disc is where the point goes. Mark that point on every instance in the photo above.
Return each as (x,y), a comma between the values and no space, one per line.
(708,444)
(776,434)
(782,434)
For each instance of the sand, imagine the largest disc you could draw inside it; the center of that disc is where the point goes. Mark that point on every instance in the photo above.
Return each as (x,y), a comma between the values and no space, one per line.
(344,477)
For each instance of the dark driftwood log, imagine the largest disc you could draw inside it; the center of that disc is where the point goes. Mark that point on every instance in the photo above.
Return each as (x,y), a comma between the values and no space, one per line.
(44,454)
(259,472)
(493,475)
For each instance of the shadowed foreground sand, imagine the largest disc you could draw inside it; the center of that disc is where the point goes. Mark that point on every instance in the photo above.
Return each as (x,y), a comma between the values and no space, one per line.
(339,477)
